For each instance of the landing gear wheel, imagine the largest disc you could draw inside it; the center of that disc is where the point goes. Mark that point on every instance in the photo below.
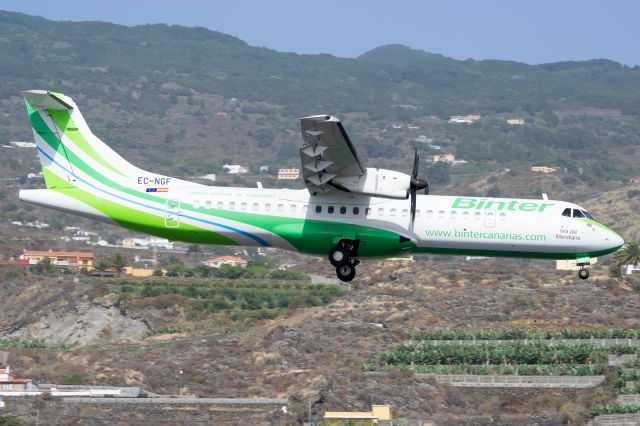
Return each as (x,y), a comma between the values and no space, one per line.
(583,273)
(338,257)
(346,272)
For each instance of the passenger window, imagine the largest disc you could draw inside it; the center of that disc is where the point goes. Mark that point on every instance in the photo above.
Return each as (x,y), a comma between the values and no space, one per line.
(577,213)
(232,205)
(343,210)
(453,214)
(417,213)
(219,205)
(356,210)
(318,209)
(477,215)
(405,212)
(380,212)
(441,214)
(243,206)
(566,212)
(292,208)
(587,215)
(280,207)
(330,209)
(503,216)
(267,207)
(429,213)
(305,208)
(207,204)
(255,207)
(196,204)
(392,212)
(367,211)
(465,215)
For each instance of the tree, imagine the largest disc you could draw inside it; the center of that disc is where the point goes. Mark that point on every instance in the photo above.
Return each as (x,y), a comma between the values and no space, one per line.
(117,261)
(194,249)
(628,255)
(494,191)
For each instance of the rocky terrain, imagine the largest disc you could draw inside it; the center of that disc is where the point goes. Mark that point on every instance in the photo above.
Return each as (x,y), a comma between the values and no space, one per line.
(312,355)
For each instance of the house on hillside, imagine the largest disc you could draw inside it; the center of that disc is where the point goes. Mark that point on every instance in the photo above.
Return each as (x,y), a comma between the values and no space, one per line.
(217,262)
(634,180)
(515,121)
(631,269)
(235,169)
(570,265)
(543,169)
(377,413)
(288,174)
(148,242)
(68,259)
(443,158)
(459,119)
(8,381)
(473,117)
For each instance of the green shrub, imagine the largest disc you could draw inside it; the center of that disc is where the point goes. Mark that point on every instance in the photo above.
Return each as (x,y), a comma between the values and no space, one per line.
(74,379)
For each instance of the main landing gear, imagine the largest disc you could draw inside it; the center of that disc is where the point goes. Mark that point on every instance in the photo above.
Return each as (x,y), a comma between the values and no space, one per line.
(344,257)
(583,273)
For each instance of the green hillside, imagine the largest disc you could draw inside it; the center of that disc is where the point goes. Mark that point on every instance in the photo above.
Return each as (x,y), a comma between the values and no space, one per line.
(155,93)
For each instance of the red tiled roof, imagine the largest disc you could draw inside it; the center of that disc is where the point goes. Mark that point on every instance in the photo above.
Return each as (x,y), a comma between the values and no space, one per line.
(16,381)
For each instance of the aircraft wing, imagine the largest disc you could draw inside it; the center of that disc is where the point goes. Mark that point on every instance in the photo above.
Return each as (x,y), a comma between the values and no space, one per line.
(327,153)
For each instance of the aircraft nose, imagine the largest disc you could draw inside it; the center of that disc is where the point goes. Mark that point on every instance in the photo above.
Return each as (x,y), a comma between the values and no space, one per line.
(618,241)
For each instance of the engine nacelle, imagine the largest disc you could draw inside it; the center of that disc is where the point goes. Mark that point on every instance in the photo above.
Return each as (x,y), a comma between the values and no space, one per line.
(377,183)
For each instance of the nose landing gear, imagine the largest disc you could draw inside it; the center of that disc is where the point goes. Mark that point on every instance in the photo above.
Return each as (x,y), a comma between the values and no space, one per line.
(344,258)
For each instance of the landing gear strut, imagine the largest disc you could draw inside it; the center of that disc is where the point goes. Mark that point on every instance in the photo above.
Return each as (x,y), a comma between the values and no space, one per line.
(583,273)
(344,258)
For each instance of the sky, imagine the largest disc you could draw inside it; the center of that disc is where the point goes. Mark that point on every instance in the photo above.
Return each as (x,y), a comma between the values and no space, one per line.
(533,31)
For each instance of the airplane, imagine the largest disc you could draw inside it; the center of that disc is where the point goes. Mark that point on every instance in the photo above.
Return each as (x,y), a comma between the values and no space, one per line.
(347,211)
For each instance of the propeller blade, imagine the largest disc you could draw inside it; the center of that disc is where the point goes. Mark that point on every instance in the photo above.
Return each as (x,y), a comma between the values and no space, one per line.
(413,207)
(416,162)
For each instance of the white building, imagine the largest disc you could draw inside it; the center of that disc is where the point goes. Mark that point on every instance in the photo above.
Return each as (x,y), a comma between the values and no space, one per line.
(148,242)
(630,269)
(460,119)
(235,169)
(216,262)
(20,144)
(288,174)
(570,265)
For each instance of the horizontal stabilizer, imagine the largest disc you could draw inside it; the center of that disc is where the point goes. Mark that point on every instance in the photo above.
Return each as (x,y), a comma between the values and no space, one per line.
(46,100)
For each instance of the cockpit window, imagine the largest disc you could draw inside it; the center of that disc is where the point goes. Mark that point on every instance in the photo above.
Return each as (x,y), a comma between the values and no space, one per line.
(567,212)
(587,215)
(577,213)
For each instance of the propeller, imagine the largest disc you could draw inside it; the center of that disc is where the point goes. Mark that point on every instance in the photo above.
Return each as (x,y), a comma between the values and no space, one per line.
(416,185)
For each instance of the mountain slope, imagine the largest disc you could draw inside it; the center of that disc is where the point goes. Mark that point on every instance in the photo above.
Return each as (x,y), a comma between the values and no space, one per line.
(160,95)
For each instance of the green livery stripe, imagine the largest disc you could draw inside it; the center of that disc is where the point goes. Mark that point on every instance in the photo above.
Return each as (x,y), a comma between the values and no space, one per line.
(139,220)
(64,122)
(318,237)
(306,235)
(512,253)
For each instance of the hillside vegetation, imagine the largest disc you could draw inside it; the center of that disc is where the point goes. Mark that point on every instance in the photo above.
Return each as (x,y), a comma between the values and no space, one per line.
(154,92)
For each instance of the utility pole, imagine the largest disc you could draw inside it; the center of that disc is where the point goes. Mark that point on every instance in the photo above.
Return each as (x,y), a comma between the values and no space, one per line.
(180,382)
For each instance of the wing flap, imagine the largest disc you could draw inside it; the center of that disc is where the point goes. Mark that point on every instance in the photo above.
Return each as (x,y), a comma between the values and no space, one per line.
(327,152)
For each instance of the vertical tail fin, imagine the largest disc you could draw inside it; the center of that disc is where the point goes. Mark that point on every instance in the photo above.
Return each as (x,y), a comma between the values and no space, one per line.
(66,146)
